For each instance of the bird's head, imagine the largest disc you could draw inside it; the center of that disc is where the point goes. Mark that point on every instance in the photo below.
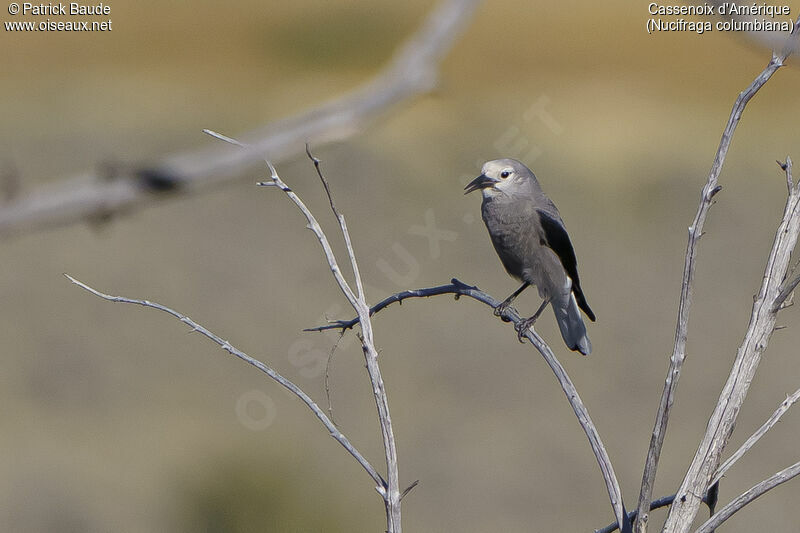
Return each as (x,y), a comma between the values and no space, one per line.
(500,176)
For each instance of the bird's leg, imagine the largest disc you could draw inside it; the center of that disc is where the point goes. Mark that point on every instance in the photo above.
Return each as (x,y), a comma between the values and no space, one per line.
(500,309)
(525,325)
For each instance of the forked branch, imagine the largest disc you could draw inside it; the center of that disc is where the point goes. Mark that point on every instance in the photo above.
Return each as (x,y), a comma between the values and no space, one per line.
(768,484)
(762,324)
(392,496)
(760,432)
(459,288)
(263,367)
(710,189)
(389,489)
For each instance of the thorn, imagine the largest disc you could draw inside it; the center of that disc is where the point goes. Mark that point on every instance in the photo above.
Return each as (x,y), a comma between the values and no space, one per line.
(310,156)
(713,192)
(408,489)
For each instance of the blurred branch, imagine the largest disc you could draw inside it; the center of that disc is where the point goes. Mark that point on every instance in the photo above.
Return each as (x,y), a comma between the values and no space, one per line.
(228,347)
(749,443)
(710,189)
(459,288)
(768,484)
(99,194)
(762,323)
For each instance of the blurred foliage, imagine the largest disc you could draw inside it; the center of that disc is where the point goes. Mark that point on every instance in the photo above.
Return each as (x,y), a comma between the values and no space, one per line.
(239,495)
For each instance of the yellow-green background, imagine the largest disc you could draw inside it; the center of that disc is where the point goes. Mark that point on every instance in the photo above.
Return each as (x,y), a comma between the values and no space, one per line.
(115,418)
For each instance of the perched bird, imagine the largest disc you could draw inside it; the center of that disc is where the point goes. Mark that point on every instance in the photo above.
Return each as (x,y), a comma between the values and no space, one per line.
(532,242)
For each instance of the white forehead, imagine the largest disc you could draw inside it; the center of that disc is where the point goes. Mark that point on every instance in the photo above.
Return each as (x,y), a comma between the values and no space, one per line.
(498,165)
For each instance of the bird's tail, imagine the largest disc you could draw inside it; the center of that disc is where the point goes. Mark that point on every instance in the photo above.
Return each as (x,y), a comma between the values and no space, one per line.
(570,322)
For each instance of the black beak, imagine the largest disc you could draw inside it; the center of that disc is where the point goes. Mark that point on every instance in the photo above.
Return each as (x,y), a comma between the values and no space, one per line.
(481,182)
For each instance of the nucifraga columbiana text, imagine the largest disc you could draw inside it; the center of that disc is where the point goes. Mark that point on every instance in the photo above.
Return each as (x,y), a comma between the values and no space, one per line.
(532,242)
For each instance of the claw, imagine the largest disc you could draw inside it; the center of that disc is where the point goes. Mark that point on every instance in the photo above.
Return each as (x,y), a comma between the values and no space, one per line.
(523,327)
(526,324)
(500,311)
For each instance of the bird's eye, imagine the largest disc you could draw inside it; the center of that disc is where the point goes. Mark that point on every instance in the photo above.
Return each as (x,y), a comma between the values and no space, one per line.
(505,174)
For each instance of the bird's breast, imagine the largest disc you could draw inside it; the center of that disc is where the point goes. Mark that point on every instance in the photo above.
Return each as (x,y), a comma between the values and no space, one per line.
(518,239)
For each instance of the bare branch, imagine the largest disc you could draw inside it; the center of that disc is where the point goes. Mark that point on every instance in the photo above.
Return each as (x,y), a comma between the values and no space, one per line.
(710,189)
(729,510)
(393,493)
(342,223)
(454,288)
(749,443)
(762,324)
(655,504)
(412,71)
(390,489)
(287,384)
(510,315)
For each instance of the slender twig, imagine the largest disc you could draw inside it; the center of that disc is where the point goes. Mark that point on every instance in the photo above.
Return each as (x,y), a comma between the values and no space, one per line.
(710,189)
(393,495)
(228,347)
(510,315)
(760,432)
(411,72)
(327,379)
(453,288)
(340,220)
(740,501)
(313,225)
(762,324)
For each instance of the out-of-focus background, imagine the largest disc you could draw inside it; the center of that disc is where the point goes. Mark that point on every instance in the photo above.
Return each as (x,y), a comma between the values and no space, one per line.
(116,418)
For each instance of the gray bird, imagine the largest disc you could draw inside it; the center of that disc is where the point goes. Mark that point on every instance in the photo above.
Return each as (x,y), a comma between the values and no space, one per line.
(532,242)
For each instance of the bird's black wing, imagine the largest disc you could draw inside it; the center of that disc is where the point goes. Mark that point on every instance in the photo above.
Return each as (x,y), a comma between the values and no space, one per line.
(557,239)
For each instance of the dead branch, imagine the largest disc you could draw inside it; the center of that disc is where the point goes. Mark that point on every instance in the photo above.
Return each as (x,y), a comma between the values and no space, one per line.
(390,489)
(768,484)
(762,323)
(284,382)
(760,432)
(459,288)
(655,504)
(710,189)
(96,194)
(392,495)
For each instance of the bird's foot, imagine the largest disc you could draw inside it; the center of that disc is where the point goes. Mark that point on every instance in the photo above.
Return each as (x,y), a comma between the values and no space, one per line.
(501,309)
(523,327)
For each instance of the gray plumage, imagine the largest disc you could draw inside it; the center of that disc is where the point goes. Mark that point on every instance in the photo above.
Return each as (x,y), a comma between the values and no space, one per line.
(529,236)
